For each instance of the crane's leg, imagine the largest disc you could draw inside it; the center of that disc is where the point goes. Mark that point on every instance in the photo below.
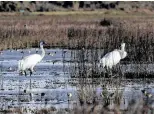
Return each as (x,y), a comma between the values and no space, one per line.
(31,72)
(99,68)
(25,72)
(120,71)
(108,71)
(102,70)
(111,76)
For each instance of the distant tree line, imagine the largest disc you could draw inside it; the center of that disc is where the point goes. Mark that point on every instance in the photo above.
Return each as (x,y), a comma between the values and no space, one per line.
(12,6)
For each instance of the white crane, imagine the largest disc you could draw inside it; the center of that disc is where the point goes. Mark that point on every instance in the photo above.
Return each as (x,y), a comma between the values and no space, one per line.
(28,62)
(114,57)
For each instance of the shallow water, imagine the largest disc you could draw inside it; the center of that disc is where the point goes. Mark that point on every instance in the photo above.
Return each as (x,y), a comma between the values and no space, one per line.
(49,78)
(52,76)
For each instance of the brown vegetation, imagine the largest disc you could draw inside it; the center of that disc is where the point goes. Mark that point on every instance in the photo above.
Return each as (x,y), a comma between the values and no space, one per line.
(139,107)
(78,31)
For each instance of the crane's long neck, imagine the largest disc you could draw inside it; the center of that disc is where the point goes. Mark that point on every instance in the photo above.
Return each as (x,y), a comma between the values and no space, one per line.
(123,53)
(123,48)
(43,52)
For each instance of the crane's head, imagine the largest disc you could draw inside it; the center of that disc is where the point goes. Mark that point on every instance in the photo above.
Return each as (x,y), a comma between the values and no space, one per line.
(42,43)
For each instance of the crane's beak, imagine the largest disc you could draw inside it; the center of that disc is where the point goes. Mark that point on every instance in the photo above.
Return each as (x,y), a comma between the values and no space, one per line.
(45,43)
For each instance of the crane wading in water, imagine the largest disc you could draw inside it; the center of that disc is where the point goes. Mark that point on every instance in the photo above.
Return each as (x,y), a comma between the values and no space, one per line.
(28,62)
(113,58)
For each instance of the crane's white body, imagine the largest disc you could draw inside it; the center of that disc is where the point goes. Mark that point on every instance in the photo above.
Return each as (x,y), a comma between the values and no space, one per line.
(114,57)
(28,62)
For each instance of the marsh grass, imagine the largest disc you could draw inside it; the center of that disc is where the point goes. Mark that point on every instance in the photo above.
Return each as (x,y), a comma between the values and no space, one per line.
(139,107)
(77,32)
(82,32)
